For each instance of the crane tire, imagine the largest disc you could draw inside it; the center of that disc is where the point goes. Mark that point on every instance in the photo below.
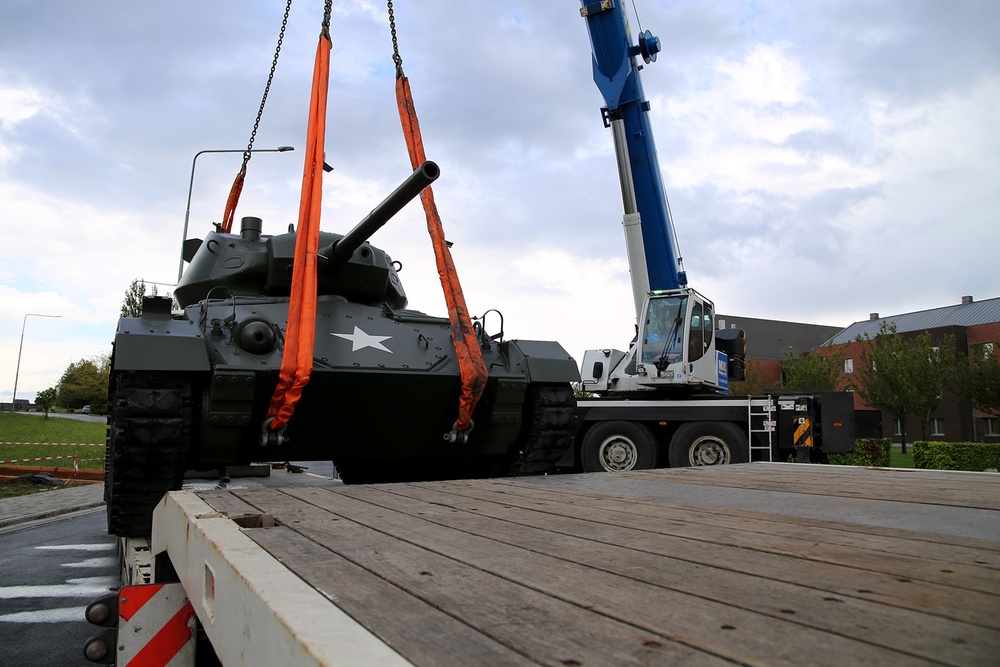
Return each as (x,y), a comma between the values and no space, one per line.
(617,446)
(708,443)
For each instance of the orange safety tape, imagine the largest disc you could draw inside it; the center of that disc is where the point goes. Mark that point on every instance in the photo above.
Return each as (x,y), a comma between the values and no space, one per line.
(56,444)
(42,458)
(233,200)
(470,358)
(300,334)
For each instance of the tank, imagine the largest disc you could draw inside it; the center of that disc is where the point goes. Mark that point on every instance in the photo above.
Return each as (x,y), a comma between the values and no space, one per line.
(190,389)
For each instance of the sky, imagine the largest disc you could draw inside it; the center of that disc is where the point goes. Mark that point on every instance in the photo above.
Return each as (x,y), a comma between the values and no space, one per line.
(823,159)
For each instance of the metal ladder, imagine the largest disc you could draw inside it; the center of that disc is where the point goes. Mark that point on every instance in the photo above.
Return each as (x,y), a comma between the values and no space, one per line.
(762,411)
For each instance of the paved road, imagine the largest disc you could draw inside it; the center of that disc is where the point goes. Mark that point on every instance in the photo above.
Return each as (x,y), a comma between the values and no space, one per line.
(78,417)
(52,569)
(49,573)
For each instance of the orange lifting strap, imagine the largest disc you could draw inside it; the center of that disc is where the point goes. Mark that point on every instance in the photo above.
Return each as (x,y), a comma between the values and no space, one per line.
(300,334)
(470,357)
(233,200)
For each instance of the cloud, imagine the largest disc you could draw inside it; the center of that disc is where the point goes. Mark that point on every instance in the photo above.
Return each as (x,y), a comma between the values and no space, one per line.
(823,160)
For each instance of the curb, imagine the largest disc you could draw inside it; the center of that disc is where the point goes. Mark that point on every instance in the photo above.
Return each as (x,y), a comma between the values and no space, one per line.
(48,514)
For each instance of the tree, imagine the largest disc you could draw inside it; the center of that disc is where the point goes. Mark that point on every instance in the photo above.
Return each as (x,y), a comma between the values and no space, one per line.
(132,304)
(86,383)
(978,382)
(814,370)
(904,376)
(753,382)
(46,399)
(881,377)
(932,371)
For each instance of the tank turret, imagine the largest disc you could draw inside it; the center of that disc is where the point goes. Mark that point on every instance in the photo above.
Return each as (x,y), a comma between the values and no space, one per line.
(250,263)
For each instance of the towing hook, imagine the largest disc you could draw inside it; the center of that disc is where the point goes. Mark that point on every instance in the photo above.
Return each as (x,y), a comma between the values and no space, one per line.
(457,437)
(268,437)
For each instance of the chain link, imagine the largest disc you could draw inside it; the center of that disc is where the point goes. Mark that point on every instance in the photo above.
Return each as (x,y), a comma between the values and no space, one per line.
(327,10)
(395,43)
(267,87)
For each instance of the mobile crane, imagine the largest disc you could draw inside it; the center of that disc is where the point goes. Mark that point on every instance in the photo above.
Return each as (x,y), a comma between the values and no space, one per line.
(665,398)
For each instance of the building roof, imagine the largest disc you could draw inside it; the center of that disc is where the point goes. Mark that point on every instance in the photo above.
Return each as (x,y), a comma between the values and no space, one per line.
(966,314)
(772,339)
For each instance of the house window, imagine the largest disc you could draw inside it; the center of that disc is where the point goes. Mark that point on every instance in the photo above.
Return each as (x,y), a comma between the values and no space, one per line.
(848,365)
(991,426)
(897,426)
(937,426)
(987,350)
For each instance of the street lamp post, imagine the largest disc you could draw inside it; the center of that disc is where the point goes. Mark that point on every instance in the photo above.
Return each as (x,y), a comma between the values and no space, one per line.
(17,372)
(187,211)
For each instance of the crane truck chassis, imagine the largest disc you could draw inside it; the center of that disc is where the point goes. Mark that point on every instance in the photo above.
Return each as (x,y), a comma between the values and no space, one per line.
(620,434)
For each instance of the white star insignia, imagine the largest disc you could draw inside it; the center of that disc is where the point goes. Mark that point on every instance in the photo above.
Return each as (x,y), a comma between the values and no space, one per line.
(360,340)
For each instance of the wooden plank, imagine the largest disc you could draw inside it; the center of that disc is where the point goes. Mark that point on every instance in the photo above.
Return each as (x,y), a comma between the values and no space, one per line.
(683,537)
(228,503)
(549,630)
(406,623)
(946,548)
(935,487)
(720,628)
(849,617)
(666,517)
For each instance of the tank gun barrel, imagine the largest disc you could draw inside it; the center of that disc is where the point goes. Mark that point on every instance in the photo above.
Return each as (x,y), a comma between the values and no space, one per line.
(414,184)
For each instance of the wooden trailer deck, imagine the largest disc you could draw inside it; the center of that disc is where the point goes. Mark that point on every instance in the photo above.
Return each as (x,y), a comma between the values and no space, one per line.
(756,564)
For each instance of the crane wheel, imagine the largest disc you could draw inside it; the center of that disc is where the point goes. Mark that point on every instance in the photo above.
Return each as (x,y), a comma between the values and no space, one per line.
(707,444)
(618,446)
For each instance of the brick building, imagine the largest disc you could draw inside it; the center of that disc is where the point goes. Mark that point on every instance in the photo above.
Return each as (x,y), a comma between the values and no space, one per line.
(971,323)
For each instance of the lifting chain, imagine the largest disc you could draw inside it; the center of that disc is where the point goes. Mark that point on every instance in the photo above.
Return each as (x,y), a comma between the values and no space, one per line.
(267,87)
(395,43)
(327,10)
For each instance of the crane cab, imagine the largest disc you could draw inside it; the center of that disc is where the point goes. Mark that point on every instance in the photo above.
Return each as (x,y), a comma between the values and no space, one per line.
(676,347)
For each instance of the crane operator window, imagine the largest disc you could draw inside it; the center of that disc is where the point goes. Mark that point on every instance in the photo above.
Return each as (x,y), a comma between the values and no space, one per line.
(702,326)
(663,330)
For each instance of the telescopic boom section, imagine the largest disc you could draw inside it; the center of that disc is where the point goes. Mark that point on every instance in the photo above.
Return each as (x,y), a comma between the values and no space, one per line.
(617,76)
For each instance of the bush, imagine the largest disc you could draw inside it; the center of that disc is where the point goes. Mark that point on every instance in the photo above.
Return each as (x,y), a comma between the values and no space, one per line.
(974,456)
(866,452)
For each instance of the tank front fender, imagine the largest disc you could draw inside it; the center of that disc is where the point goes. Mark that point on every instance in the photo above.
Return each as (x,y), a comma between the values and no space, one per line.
(546,361)
(148,344)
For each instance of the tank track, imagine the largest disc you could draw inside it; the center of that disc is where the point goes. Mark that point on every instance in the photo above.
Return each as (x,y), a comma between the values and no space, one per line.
(550,425)
(149,431)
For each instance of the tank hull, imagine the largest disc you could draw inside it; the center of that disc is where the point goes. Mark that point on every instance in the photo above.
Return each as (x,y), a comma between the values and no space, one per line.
(192,391)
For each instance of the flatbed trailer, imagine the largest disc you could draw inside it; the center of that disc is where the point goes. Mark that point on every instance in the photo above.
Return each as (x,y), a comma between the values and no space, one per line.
(761,563)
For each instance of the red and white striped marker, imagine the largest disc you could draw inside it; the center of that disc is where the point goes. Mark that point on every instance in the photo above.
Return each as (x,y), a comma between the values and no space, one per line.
(156,626)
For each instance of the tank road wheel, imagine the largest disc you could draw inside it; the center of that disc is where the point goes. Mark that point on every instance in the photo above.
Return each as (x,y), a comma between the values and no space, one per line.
(617,446)
(708,444)
(549,426)
(148,441)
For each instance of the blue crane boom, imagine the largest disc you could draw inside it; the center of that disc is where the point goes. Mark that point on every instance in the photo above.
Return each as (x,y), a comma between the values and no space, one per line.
(616,74)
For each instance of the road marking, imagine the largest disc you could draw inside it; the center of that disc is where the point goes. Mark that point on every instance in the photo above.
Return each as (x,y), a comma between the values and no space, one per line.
(64,615)
(78,547)
(52,591)
(100,561)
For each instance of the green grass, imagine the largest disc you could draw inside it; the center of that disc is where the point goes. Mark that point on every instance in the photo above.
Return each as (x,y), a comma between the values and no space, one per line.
(35,428)
(899,460)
